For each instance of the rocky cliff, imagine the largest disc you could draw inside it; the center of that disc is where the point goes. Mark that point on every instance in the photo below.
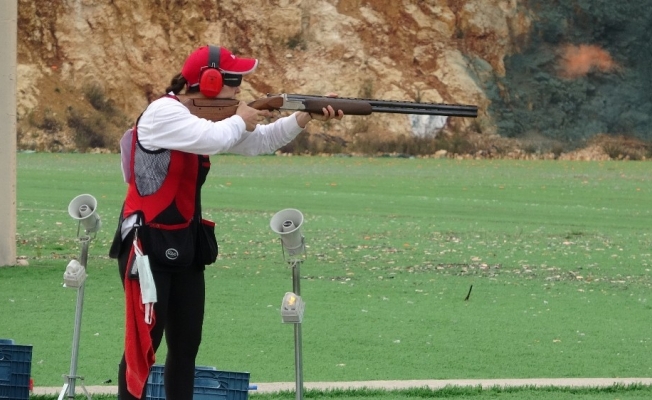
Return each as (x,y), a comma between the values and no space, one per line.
(88,65)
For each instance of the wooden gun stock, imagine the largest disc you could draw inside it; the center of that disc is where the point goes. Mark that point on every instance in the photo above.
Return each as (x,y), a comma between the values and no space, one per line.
(219,109)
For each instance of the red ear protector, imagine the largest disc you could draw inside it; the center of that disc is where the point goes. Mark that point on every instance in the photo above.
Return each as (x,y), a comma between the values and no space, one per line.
(210,83)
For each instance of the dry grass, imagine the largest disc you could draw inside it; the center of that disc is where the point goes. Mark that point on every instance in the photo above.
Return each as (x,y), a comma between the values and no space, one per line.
(74,120)
(474,146)
(623,147)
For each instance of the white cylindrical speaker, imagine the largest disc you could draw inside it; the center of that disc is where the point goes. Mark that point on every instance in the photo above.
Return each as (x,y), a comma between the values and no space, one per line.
(287,223)
(83,208)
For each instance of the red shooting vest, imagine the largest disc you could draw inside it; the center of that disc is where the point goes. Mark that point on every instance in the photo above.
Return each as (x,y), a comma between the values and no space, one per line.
(180,188)
(164,190)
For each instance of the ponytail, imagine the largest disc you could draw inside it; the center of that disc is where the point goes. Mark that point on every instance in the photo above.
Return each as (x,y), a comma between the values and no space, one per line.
(177,84)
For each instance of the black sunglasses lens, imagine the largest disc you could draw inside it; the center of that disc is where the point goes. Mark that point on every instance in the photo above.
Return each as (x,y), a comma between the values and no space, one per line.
(232,80)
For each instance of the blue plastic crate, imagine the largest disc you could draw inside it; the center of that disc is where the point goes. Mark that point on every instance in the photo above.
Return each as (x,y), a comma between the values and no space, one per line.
(15,370)
(154,389)
(210,384)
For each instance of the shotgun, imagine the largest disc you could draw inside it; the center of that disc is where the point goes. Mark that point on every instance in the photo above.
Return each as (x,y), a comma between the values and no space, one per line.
(219,109)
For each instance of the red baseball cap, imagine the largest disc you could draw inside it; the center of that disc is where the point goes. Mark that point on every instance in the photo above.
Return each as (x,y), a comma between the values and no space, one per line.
(229,63)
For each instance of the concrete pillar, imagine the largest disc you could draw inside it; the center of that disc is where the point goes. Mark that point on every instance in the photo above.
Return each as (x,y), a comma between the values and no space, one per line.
(8,56)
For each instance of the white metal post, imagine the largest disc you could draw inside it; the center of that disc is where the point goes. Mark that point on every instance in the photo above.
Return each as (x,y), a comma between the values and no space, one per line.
(8,51)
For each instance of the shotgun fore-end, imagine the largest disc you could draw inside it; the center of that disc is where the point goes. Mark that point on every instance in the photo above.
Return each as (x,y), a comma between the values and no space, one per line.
(349,107)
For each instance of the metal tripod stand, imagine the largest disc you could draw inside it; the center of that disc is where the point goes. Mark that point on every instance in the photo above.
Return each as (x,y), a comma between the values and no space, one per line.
(68,390)
(298,357)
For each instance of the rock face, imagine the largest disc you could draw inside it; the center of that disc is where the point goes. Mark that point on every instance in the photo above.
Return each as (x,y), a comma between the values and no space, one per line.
(400,50)
(93,65)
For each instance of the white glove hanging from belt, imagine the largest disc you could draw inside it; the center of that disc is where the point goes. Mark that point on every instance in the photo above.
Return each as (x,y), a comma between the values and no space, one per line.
(146,280)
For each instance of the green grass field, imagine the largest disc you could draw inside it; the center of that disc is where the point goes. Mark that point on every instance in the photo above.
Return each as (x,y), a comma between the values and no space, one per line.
(558,254)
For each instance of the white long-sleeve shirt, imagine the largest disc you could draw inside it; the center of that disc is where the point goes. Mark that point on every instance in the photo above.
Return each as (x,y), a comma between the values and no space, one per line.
(168,124)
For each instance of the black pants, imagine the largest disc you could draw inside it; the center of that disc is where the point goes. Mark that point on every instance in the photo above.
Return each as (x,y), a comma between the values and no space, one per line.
(179,313)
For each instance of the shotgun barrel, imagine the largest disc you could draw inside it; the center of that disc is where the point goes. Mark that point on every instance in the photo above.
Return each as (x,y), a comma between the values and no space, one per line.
(393,106)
